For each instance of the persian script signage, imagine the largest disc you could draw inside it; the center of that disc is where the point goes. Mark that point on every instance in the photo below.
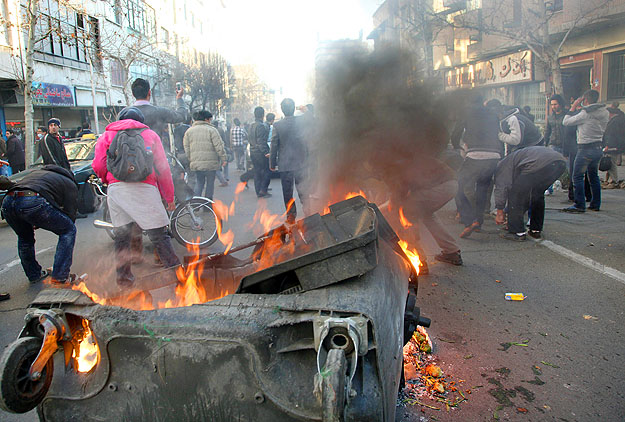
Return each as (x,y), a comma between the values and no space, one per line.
(516,67)
(52,95)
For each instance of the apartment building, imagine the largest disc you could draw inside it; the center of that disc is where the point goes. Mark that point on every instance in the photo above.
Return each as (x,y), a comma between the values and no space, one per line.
(116,41)
(497,46)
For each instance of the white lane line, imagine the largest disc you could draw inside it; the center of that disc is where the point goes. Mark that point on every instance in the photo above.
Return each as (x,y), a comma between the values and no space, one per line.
(583,260)
(13,263)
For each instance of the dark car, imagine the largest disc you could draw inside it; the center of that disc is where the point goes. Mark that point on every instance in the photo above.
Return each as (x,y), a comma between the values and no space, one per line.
(80,154)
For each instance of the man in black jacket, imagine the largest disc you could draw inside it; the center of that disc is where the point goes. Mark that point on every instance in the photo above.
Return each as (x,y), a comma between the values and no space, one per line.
(478,128)
(15,152)
(613,143)
(259,153)
(51,146)
(157,118)
(46,198)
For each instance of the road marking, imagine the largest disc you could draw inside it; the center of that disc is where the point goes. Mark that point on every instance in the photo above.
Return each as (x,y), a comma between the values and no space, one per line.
(13,263)
(583,260)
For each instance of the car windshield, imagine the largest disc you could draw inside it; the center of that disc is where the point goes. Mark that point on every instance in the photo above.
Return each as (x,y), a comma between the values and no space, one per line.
(77,150)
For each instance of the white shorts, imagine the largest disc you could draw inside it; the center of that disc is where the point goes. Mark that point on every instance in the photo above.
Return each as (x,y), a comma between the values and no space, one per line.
(139,203)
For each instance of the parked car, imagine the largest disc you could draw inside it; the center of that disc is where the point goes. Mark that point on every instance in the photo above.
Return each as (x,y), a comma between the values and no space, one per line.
(80,154)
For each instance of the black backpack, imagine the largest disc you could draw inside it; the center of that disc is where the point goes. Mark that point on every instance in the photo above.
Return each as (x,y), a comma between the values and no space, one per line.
(127,158)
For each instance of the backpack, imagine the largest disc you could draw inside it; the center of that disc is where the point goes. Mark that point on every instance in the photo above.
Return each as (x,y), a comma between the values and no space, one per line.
(127,158)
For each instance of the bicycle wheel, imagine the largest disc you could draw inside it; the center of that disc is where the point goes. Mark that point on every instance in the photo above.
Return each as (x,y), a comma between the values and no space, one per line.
(194,223)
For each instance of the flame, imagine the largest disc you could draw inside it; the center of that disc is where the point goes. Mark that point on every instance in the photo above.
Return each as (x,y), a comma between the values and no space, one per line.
(87,354)
(403,220)
(411,254)
(354,194)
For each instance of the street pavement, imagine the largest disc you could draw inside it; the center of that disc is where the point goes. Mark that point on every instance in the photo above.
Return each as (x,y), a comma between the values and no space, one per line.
(572,318)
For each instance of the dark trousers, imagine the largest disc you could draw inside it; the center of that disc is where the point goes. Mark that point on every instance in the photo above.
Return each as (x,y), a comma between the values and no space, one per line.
(474,175)
(18,167)
(205,178)
(288,178)
(587,190)
(125,237)
(528,193)
(23,214)
(262,175)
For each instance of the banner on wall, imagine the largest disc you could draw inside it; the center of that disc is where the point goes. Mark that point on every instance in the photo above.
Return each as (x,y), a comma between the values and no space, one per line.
(52,95)
(515,67)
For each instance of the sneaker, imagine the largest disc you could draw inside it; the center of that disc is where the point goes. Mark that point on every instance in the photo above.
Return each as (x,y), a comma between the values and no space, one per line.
(4,296)
(44,274)
(223,185)
(69,280)
(470,229)
(81,215)
(573,209)
(534,233)
(453,258)
(264,195)
(513,236)
(594,208)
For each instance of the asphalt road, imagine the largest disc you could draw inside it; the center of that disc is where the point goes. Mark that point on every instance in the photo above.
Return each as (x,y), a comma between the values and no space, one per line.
(572,318)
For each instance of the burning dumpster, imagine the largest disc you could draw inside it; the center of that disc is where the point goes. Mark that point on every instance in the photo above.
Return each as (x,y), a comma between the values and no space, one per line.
(313,331)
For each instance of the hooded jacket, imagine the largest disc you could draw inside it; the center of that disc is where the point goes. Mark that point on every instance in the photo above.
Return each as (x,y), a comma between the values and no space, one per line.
(519,131)
(591,122)
(56,185)
(204,147)
(161,177)
(479,130)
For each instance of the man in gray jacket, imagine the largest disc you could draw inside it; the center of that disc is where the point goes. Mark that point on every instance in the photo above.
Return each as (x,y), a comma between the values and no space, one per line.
(289,154)
(591,120)
(521,180)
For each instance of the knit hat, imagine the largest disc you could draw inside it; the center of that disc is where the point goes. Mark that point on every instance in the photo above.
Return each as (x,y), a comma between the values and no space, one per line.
(54,120)
(132,113)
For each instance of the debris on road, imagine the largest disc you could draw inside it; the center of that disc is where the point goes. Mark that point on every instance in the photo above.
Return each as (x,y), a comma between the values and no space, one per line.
(515,296)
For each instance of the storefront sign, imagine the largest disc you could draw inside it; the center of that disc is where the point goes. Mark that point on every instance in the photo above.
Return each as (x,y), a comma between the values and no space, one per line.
(52,95)
(516,67)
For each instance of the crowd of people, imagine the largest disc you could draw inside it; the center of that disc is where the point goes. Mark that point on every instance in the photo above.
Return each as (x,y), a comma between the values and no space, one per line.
(503,152)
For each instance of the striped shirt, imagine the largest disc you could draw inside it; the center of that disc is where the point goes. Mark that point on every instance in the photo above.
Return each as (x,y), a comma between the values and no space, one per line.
(238,136)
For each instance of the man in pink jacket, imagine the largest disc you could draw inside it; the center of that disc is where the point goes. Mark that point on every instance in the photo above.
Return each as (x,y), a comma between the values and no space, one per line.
(137,203)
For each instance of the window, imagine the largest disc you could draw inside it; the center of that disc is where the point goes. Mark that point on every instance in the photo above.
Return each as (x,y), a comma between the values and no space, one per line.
(62,31)
(5,24)
(165,37)
(616,75)
(530,95)
(117,73)
(554,5)
(140,17)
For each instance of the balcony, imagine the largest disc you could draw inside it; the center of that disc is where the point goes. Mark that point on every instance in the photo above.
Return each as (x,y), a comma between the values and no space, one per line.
(452,6)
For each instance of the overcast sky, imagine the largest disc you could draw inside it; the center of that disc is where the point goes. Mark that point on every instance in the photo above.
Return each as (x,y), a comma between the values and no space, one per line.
(280,36)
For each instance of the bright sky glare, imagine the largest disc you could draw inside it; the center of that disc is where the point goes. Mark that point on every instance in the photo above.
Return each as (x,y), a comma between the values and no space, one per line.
(280,36)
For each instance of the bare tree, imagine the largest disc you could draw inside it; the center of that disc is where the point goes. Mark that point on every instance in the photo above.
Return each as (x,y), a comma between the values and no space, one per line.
(533,24)
(207,82)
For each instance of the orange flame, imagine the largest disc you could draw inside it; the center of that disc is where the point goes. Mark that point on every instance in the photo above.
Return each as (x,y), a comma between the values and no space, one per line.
(354,194)
(403,220)
(88,353)
(412,255)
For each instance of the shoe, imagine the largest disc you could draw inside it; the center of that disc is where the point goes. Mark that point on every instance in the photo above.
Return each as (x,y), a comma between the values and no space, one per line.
(264,195)
(69,280)
(223,185)
(513,236)
(4,296)
(573,209)
(547,193)
(268,189)
(470,229)
(534,233)
(81,215)
(453,258)
(594,209)
(44,274)
(423,268)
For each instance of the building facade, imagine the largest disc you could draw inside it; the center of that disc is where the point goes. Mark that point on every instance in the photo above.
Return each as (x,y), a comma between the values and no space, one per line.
(499,47)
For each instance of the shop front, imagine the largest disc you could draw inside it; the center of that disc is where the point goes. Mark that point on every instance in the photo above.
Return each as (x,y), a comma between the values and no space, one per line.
(509,78)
